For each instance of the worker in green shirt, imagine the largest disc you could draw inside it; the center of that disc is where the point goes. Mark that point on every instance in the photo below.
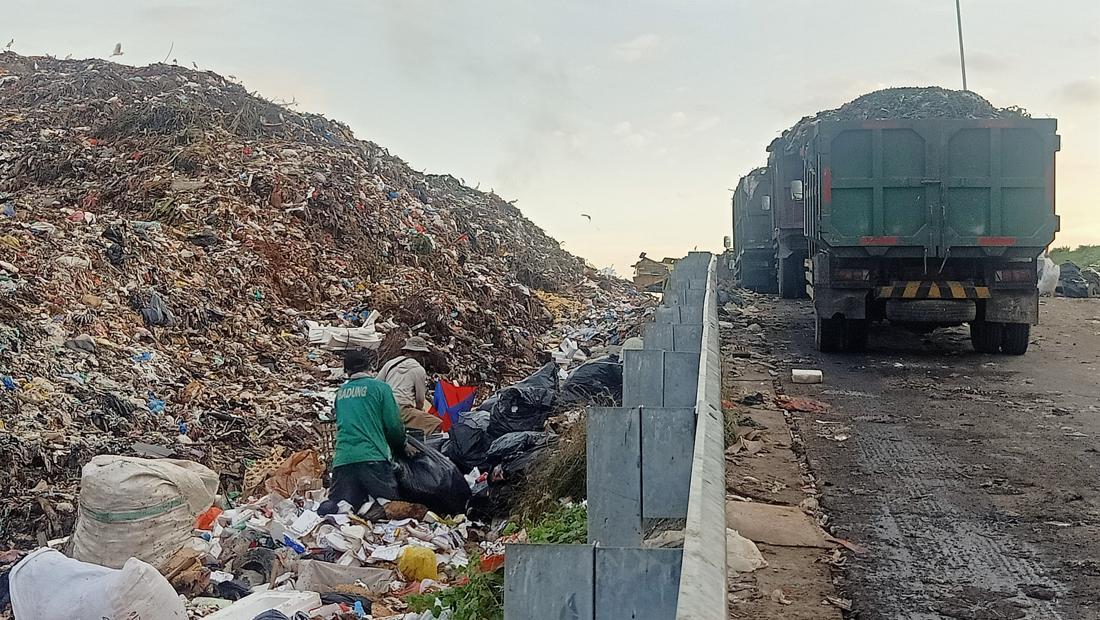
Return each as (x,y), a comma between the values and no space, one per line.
(368,435)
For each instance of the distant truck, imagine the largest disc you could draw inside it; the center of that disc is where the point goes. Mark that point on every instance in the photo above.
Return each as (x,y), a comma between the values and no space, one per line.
(923,222)
(753,250)
(788,221)
(650,275)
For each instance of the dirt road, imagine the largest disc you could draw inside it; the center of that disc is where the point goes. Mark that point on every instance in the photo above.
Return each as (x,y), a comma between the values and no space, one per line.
(971,479)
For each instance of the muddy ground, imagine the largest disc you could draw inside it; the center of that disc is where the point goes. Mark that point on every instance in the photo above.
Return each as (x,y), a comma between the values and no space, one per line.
(971,479)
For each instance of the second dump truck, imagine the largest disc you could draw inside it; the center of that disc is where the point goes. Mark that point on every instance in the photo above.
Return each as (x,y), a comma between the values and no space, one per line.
(753,249)
(925,223)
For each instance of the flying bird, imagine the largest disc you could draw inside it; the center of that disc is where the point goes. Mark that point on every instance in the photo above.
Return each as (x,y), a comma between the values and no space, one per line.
(588,216)
(118,50)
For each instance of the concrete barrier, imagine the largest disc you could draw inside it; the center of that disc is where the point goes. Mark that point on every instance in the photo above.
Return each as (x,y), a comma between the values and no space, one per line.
(702,588)
(658,457)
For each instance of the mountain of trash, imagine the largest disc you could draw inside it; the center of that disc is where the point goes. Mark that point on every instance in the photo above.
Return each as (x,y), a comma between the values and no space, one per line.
(181,261)
(905,102)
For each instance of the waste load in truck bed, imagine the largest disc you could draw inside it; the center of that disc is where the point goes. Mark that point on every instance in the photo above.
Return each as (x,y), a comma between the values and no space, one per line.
(907,102)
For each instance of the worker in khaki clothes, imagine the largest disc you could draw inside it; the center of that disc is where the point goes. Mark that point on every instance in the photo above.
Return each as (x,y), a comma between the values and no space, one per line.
(406,377)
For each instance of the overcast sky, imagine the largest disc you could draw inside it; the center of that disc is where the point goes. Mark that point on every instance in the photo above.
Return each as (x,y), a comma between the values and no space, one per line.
(639,113)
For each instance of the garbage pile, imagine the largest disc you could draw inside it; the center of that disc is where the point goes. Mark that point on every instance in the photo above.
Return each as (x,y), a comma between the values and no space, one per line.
(180,261)
(133,552)
(160,526)
(512,432)
(907,102)
(1073,281)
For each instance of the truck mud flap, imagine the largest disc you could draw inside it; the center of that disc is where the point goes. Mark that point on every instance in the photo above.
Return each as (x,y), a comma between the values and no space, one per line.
(847,303)
(1013,306)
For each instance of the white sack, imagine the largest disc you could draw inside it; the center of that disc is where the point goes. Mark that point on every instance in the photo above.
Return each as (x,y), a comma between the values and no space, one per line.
(46,585)
(141,508)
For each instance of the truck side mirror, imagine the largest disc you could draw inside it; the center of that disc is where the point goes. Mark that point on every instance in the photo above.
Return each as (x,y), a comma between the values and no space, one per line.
(766,203)
(727,242)
(796,189)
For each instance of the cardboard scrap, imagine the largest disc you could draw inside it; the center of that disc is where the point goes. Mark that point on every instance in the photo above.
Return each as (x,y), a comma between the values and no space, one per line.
(784,526)
(300,471)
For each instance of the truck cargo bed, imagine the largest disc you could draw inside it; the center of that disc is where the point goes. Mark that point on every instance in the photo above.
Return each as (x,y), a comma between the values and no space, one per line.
(932,187)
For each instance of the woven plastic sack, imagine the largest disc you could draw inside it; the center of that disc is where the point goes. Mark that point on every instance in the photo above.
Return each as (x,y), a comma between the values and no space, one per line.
(140,508)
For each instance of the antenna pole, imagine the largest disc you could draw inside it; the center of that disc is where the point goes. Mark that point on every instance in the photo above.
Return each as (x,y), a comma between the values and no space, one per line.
(962,53)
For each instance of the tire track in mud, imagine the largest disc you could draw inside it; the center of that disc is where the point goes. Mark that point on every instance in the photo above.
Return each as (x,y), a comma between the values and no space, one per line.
(971,479)
(934,545)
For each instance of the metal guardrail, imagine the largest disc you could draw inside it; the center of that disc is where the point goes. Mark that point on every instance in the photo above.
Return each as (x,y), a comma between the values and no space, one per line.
(656,459)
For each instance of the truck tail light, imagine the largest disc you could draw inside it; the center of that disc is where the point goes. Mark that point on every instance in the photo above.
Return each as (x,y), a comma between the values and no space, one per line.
(1014,275)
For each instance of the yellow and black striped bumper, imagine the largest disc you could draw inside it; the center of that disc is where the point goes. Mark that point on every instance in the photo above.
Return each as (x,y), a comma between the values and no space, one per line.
(927,289)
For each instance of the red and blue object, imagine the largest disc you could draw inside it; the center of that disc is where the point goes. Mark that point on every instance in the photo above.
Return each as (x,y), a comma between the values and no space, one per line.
(450,402)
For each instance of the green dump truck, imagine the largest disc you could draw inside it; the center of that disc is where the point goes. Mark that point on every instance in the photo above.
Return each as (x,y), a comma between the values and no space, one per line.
(926,223)
(753,250)
(788,220)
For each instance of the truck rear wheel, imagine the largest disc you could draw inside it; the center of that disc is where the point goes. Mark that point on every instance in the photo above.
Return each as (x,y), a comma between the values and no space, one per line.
(1015,338)
(985,336)
(855,334)
(792,277)
(829,335)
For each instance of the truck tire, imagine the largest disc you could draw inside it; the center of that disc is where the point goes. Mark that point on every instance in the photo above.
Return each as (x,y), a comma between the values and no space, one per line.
(856,332)
(1015,337)
(985,336)
(757,280)
(792,277)
(829,335)
(940,311)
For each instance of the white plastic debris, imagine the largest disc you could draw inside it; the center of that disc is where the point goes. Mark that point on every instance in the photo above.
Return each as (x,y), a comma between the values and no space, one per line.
(742,555)
(800,375)
(344,338)
(289,602)
(1049,273)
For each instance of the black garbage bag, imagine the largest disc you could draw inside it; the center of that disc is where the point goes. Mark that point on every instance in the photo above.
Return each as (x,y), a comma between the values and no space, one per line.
(1070,281)
(430,478)
(492,501)
(469,441)
(595,382)
(516,452)
(513,444)
(525,405)
(437,442)
(489,402)
(233,590)
(5,589)
(339,598)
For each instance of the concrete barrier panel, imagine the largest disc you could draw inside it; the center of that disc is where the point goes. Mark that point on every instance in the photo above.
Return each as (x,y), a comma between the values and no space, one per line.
(668,437)
(549,581)
(674,337)
(659,378)
(614,476)
(639,584)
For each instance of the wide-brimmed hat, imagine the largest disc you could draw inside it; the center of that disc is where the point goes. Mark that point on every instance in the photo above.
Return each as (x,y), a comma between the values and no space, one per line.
(416,343)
